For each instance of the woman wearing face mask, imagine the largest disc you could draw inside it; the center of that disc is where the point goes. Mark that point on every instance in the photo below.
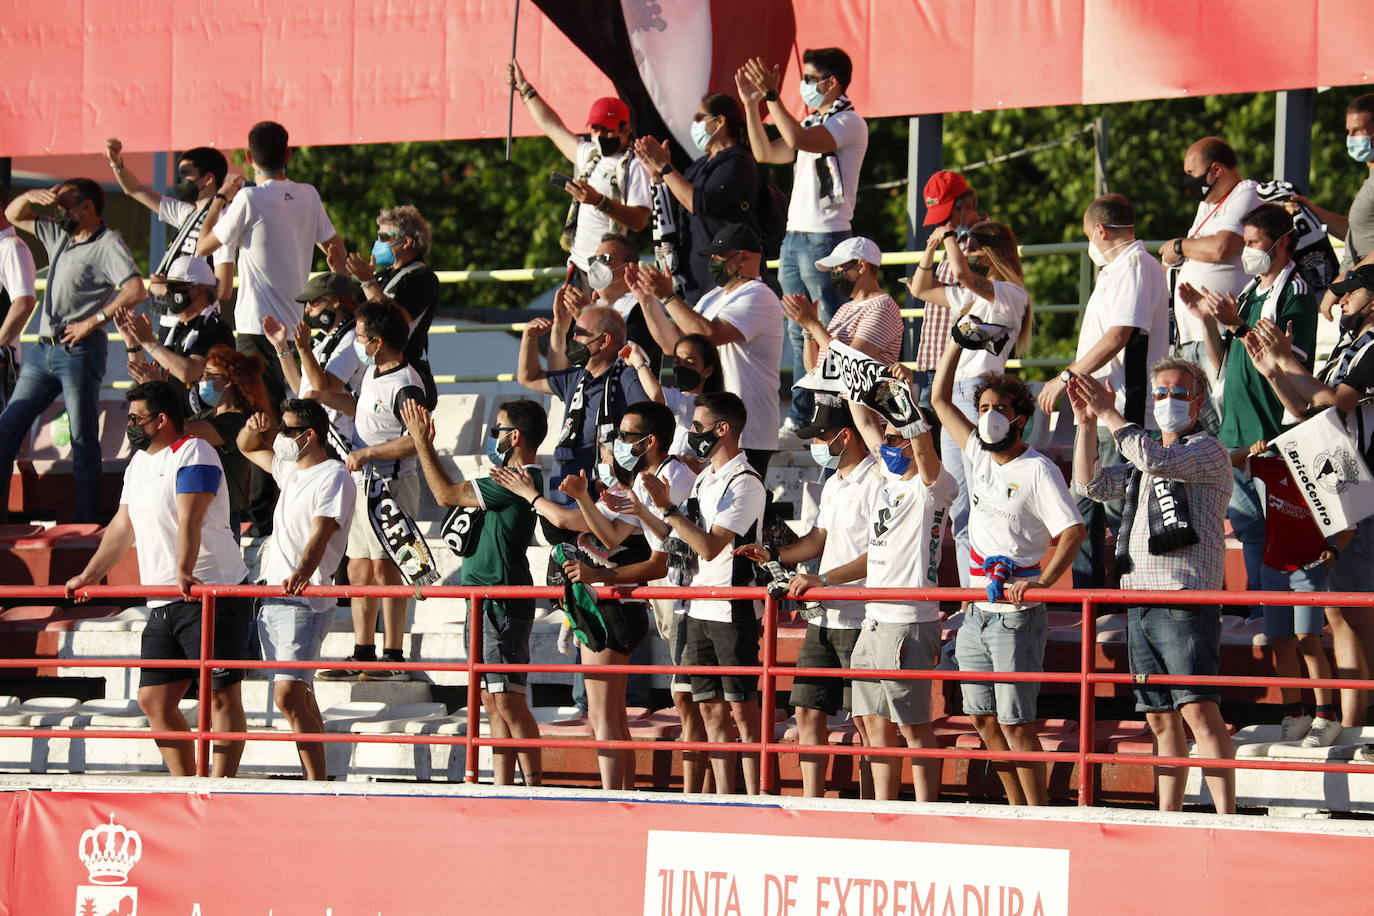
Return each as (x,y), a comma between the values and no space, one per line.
(696,370)
(719,188)
(232,390)
(870,320)
(988,289)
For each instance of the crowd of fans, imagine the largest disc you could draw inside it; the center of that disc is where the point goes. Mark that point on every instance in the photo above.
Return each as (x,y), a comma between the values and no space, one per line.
(308,415)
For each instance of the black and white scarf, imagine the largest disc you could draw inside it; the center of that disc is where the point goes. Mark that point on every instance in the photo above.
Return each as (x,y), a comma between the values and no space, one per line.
(188,233)
(616,193)
(571,436)
(1171,524)
(829,182)
(1338,365)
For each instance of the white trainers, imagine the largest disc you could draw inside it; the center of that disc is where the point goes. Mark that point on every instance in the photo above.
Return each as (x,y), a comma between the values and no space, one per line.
(1323,733)
(787,434)
(1294,728)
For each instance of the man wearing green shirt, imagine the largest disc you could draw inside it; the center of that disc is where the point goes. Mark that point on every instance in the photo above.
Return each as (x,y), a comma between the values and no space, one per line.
(499,559)
(1250,410)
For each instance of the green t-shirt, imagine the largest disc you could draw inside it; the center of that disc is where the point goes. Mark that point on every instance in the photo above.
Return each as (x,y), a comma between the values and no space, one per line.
(507,530)
(1250,410)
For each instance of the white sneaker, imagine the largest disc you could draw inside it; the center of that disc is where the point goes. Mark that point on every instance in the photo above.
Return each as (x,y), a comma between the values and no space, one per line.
(787,434)
(1294,728)
(1323,733)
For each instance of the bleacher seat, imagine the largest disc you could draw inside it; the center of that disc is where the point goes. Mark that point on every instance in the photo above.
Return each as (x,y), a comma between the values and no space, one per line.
(42,479)
(458,424)
(340,718)
(34,617)
(114,714)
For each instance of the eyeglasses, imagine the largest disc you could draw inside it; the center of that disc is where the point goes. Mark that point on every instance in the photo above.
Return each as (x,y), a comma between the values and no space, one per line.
(294,431)
(629,435)
(1177,391)
(496,431)
(702,116)
(217,381)
(895,441)
(136,420)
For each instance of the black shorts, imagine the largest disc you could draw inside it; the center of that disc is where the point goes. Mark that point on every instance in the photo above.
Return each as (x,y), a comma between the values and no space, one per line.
(824,647)
(713,642)
(627,624)
(173,631)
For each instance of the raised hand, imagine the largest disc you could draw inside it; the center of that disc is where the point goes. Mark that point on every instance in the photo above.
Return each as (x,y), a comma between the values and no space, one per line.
(656,488)
(418,422)
(114,151)
(653,153)
(801,310)
(517,480)
(574,485)
(274,331)
(537,327)
(261,424)
(302,335)
(359,266)
(763,78)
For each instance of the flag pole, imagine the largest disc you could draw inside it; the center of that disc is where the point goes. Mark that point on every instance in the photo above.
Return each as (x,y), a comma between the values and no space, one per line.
(510,101)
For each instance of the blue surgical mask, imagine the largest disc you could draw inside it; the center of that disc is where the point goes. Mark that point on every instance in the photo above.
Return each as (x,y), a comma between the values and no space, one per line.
(1361,149)
(498,454)
(364,357)
(207,393)
(894,459)
(625,456)
(820,453)
(382,254)
(811,95)
(700,135)
(606,475)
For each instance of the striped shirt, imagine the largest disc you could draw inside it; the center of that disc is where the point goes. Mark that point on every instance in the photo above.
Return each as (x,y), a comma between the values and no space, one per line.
(877,320)
(1203,464)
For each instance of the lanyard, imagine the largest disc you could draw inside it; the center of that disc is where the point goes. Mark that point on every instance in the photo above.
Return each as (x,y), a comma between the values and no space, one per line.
(1197,233)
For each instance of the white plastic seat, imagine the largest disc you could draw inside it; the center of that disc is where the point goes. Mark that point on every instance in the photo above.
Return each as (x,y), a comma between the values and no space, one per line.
(341,717)
(458,423)
(132,618)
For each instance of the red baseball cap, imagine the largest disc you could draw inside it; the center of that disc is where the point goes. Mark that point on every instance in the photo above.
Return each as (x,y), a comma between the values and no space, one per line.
(608,113)
(940,193)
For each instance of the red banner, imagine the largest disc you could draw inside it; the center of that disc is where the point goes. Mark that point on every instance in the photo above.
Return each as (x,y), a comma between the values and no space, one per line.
(122,854)
(171,74)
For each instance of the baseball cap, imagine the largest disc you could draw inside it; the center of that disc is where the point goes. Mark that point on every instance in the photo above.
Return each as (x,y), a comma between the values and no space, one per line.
(829,413)
(322,285)
(857,248)
(734,237)
(609,113)
(941,191)
(193,270)
(1359,278)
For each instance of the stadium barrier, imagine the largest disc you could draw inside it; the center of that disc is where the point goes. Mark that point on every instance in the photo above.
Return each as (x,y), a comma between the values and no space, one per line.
(1085,757)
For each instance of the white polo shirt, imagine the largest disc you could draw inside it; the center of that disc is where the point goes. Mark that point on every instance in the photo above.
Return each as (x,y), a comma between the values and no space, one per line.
(732,500)
(846,502)
(151,486)
(275,226)
(906,531)
(16,267)
(1132,291)
(324,490)
(750,366)
(1226,276)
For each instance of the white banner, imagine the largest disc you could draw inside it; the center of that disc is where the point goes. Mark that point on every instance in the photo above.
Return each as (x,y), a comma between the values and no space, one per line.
(855,376)
(1327,465)
(720,873)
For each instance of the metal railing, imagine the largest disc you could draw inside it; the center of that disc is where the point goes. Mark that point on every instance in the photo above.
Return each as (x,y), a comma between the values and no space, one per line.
(1086,757)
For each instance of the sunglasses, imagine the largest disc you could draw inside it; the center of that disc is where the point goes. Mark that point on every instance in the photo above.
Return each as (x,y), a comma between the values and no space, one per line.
(294,431)
(605,258)
(629,435)
(388,236)
(1177,391)
(896,441)
(496,431)
(813,78)
(136,420)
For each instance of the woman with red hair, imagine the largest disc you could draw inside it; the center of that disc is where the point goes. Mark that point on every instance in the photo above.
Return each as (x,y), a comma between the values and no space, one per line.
(231,390)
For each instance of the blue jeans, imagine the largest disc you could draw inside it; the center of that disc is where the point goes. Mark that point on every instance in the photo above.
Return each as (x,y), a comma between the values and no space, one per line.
(75,372)
(1173,640)
(952,457)
(1288,622)
(1246,514)
(1090,563)
(798,275)
(1002,641)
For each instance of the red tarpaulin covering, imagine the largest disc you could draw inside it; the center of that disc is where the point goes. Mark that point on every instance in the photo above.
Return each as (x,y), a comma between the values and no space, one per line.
(168,75)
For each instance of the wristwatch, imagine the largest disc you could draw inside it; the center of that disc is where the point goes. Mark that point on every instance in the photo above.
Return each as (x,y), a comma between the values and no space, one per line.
(670,511)
(1066,376)
(666,170)
(1178,247)
(771,95)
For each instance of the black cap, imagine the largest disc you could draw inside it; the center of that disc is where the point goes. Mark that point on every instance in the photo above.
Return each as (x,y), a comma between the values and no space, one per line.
(321,285)
(1359,278)
(734,237)
(829,413)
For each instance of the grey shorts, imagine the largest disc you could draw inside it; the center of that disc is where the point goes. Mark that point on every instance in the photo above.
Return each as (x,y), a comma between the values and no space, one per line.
(1002,641)
(892,647)
(505,641)
(1173,640)
(1353,571)
(291,631)
(824,647)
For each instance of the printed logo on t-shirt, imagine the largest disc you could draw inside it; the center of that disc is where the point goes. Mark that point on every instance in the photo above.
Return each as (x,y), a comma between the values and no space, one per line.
(880,524)
(1012,489)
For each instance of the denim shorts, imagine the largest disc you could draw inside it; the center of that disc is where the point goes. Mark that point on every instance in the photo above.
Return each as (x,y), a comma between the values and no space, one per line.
(1281,622)
(1353,571)
(291,631)
(893,647)
(1002,641)
(505,641)
(1173,640)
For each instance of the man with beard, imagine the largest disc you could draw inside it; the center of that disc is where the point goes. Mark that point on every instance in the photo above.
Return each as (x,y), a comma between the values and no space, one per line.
(1019,503)
(189,287)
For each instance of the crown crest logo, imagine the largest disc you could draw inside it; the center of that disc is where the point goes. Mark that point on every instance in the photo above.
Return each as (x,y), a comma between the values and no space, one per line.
(109,851)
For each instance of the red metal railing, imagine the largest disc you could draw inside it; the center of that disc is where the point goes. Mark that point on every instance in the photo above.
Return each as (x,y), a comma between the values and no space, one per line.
(1085,756)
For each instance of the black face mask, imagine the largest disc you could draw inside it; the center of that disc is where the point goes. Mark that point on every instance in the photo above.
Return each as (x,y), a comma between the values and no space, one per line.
(609,145)
(186,190)
(979,266)
(1197,186)
(703,443)
(1352,323)
(685,378)
(578,353)
(178,299)
(720,271)
(842,282)
(138,437)
(323,321)
(66,220)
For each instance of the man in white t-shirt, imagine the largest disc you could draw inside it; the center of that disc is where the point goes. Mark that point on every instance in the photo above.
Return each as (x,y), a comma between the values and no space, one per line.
(309,529)
(17,280)
(742,317)
(381,446)
(1020,502)
(609,187)
(200,174)
(725,511)
(175,508)
(275,226)
(1209,256)
(905,530)
(1125,331)
(840,539)
(829,147)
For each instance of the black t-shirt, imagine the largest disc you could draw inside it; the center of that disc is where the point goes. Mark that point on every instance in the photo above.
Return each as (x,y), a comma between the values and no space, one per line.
(724,190)
(197,336)
(416,291)
(237,468)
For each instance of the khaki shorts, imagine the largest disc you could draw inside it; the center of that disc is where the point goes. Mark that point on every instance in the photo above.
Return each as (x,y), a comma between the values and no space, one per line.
(895,647)
(362,540)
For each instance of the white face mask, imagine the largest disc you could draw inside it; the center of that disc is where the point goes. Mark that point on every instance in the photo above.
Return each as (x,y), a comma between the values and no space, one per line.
(600,276)
(993,427)
(1099,256)
(287,449)
(1173,415)
(1254,262)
